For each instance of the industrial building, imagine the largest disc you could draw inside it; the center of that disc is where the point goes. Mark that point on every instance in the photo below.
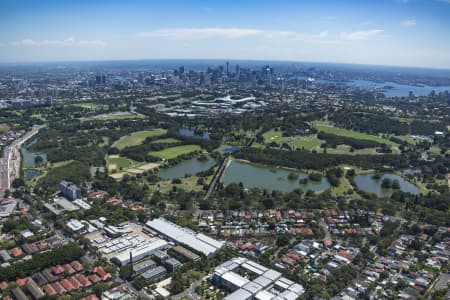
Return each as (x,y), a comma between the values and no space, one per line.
(143,266)
(268,285)
(186,253)
(69,190)
(197,241)
(172,264)
(139,252)
(61,205)
(154,274)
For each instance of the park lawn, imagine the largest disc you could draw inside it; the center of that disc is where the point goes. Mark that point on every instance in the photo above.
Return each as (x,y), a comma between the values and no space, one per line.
(116,162)
(341,189)
(436,150)
(136,138)
(4,128)
(407,138)
(109,117)
(187,184)
(115,116)
(181,101)
(173,152)
(307,142)
(274,136)
(87,105)
(324,127)
(166,141)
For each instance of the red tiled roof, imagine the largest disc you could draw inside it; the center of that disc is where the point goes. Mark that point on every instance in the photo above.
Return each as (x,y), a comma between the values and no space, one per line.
(76,284)
(59,288)
(48,289)
(67,285)
(68,268)
(94,278)
(83,280)
(77,265)
(21,281)
(57,269)
(16,252)
(102,273)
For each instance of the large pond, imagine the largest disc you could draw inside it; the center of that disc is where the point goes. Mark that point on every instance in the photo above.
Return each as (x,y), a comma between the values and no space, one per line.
(28,156)
(367,183)
(30,174)
(191,166)
(191,133)
(268,178)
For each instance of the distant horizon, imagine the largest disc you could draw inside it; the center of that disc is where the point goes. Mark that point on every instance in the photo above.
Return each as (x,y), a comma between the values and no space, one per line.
(224,60)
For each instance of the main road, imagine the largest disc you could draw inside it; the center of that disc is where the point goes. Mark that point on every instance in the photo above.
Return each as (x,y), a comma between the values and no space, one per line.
(9,169)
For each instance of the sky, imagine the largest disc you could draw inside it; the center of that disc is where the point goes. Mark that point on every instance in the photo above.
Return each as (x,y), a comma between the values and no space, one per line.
(379,32)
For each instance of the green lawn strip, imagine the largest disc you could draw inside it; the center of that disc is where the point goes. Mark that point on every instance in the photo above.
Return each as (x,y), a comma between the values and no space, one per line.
(173,152)
(136,138)
(352,134)
(166,141)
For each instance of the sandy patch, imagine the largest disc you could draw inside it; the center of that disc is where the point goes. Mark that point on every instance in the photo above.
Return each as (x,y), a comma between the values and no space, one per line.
(117,175)
(135,171)
(148,166)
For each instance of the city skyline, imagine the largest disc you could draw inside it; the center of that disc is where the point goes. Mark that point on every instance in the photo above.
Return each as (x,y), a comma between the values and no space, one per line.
(389,32)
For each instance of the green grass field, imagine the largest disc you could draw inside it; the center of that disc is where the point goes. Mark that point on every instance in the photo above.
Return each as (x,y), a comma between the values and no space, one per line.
(328,128)
(166,141)
(307,142)
(118,162)
(4,128)
(407,138)
(116,116)
(311,142)
(136,138)
(173,152)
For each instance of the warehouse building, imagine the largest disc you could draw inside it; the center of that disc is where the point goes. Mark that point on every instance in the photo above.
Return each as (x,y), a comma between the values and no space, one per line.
(199,242)
(268,285)
(150,247)
(186,253)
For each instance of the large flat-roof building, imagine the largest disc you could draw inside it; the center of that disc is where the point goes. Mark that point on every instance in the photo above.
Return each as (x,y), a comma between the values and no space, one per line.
(154,274)
(268,285)
(197,241)
(140,252)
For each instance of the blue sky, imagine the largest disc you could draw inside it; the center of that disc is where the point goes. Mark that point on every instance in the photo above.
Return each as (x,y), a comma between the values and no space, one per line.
(382,32)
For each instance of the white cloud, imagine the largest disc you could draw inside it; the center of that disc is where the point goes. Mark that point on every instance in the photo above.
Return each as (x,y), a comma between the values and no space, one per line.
(361,35)
(323,34)
(409,23)
(189,34)
(201,33)
(70,41)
